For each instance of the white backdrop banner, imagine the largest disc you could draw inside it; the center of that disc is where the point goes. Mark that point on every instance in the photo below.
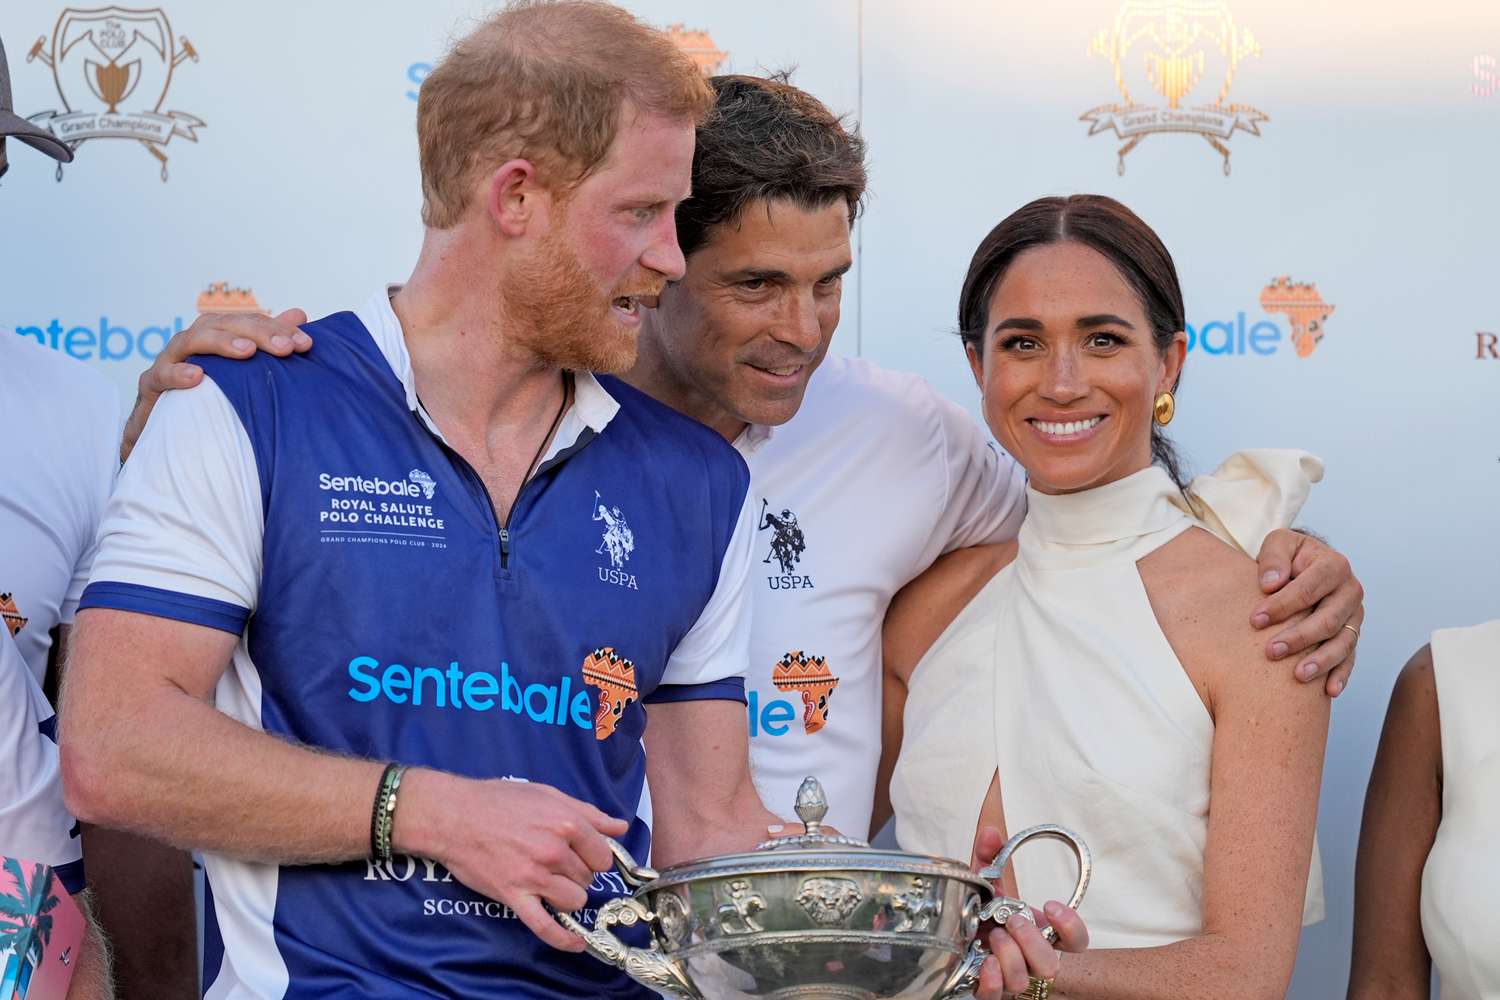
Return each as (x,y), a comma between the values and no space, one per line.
(1324,175)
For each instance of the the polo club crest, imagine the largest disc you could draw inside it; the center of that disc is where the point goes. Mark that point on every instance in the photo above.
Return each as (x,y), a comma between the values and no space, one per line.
(1185,51)
(113,67)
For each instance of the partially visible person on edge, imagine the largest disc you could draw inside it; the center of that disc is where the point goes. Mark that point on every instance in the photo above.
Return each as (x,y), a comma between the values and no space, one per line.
(1109,640)
(34,822)
(841,453)
(63,419)
(472,692)
(1427,885)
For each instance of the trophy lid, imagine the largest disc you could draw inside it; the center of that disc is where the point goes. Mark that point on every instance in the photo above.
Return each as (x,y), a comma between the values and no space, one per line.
(812,806)
(814,851)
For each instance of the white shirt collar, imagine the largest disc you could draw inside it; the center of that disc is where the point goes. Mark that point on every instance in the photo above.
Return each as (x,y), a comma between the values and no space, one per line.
(592,407)
(753,438)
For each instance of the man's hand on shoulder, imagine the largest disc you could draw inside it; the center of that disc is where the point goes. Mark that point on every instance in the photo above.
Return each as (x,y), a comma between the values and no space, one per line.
(1300,573)
(225,335)
(517,842)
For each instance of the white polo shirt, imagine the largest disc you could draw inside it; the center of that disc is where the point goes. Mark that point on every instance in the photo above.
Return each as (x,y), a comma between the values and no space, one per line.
(873,479)
(60,423)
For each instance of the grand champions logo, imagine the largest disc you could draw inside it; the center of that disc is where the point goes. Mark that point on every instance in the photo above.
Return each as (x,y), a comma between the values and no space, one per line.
(1183,48)
(112,67)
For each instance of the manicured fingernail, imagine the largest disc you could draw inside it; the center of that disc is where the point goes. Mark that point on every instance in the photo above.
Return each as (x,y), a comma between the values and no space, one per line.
(191,371)
(1270,578)
(1260,619)
(1337,687)
(1017,921)
(1306,670)
(775,827)
(1054,910)
(1278,649)
(281,340)
(241,344)
(301,338)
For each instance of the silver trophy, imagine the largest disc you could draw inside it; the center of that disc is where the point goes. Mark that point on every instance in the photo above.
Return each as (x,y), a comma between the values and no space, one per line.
(812,915)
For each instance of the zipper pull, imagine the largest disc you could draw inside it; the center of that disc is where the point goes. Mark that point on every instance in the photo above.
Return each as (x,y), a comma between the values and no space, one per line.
(504,547)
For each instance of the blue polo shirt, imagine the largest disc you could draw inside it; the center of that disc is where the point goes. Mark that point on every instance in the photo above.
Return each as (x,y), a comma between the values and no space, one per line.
(311,507)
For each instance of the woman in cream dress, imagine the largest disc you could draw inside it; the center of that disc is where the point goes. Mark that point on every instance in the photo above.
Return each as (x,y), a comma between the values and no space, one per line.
(1427,888)
(1100,672)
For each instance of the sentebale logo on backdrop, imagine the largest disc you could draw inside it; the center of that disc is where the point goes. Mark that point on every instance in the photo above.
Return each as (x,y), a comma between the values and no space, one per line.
(105,57)
(1299,303)
(1176,43)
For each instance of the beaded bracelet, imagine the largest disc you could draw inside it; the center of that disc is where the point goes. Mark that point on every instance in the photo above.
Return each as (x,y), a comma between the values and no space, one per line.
(383,816)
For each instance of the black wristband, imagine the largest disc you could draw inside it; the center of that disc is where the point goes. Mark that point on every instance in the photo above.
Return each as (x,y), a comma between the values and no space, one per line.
(380,833)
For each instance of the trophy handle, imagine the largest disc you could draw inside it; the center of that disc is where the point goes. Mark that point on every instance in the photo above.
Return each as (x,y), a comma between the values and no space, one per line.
(1002,908)
(965,977)
(647,966)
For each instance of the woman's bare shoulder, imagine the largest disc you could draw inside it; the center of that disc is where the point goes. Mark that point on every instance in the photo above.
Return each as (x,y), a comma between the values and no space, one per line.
(926,606)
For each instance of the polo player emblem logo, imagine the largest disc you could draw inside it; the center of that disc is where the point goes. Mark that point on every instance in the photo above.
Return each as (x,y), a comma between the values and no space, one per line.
(618,540)
(103,58)
(787,541)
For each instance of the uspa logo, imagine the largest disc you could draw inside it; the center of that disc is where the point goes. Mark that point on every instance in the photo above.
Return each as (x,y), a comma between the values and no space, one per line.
(1298,304)
(103,58)
(1180,49)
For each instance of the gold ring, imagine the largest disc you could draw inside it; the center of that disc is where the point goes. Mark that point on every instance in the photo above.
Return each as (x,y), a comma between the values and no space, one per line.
(1352,629)
(1037,988)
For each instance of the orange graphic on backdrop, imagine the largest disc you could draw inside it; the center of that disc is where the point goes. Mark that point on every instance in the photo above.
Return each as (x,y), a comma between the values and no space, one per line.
(809,675)
(1303,307)
(220,298)
(699,47)
(614,676)
(11,614)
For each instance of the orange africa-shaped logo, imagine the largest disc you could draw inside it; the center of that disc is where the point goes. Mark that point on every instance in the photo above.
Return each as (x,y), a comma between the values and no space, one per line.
(809,675)
(614,676)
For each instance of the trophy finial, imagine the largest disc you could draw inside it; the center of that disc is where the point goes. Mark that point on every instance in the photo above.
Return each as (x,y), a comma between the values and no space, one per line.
(812,805)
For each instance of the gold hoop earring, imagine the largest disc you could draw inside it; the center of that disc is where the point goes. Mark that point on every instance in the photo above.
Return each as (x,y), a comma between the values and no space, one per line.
(1166,408)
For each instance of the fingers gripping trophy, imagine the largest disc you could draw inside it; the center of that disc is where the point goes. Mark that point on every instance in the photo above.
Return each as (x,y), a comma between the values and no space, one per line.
(814,915)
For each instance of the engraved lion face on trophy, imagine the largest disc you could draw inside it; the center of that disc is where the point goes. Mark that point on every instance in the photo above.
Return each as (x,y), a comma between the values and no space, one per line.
(1180,50)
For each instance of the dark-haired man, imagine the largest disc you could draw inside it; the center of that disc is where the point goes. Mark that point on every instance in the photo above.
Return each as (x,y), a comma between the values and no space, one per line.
(879,474)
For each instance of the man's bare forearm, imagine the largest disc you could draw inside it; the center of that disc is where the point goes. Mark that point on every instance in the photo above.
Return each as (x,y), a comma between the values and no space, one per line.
(149,755)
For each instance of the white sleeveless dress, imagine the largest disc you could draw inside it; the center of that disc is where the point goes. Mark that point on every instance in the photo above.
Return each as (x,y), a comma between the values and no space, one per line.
(1059,673)
(1461,880)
